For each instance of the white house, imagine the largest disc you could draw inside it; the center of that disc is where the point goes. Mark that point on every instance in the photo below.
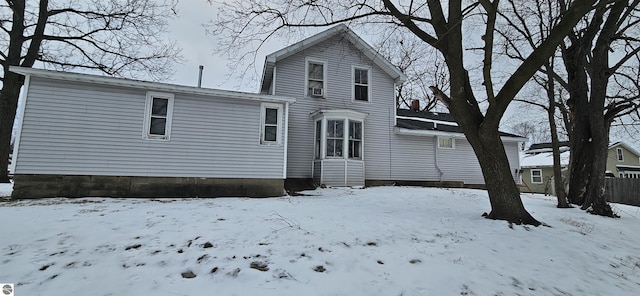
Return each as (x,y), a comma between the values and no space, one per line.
(325,114)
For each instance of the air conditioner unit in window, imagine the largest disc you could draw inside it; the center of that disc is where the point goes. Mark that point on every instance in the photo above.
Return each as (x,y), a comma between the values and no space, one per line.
(316,92)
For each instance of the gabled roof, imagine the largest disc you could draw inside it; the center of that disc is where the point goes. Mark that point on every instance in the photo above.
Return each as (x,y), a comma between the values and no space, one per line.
(626,146)
(341,29)
(435,124)
(544,159)
(148,85)
(547,145)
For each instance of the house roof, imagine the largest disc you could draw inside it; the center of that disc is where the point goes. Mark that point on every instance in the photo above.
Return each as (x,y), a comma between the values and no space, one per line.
(626,146)
(341,29)
(547,145)
(543,159)
(156,86)
(435,123)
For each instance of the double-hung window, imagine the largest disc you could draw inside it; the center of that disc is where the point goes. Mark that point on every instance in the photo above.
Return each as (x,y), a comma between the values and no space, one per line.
(361,84)
(158,115)
(446,142)
(270,123)
(536,176)
(620,154)
(316,77)
(355,139)
(335,137)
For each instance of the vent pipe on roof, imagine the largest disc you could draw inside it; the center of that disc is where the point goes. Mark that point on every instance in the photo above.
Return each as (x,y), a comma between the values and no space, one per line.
(415,105)
(200,76)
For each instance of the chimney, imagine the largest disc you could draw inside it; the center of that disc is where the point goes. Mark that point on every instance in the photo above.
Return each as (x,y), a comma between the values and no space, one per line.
(200,76)
(415,105)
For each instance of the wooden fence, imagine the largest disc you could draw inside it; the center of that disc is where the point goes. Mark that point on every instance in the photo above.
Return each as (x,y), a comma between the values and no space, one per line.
(623,190)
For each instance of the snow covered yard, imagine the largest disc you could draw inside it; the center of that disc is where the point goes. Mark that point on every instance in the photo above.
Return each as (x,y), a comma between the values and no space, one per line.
(337,241)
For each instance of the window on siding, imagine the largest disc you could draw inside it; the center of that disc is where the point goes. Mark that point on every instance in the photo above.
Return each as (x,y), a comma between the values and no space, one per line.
(536,176)
(446,142)
(620,154)
(361,84)
(335,138)
(270,118)
(355,139)
(316,78)
(158,114)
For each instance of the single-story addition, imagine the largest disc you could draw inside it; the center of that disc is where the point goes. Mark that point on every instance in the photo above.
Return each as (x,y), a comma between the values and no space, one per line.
(325,114)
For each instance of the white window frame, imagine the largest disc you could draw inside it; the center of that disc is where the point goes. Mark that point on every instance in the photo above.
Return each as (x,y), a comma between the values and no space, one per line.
(342,137)
(620,154)
(532,176)
(345,116)
(146,132)
(324,63)
(350,138)
(353,83)
(263,125)
(453,142)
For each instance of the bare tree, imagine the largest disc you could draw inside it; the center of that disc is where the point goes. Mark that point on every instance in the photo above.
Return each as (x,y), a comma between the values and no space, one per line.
(438,24)
(116,37)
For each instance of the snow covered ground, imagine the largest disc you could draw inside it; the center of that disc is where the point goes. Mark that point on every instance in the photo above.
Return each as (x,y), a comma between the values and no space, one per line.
(339,241)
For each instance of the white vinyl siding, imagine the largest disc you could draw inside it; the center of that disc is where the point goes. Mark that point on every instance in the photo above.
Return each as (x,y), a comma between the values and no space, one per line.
(212,137)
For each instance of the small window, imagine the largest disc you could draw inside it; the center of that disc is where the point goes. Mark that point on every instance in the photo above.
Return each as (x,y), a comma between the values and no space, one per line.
(335,132)
(536,176)
(158,114)
(316,78)
(620,155)
(270,118)
(355,139)
(446,142)
(361,84)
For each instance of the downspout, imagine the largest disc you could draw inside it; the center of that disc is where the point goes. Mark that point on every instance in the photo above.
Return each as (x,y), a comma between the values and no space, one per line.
(16,144)
(286,139)
(201,67)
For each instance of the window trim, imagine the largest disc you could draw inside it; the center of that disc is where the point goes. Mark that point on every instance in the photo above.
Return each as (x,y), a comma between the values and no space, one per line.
(341,138)
(453,143)
(353,83)
(263,124)
(146,133)
(346,116)
(350,139)
(619,154)
(541,178)
(307,61)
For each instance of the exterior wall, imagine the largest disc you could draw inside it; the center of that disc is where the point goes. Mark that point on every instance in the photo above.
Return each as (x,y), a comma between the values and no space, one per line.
(82,129)
(340,56)
(38,186)
(629,159)
(413,159)
(530,187)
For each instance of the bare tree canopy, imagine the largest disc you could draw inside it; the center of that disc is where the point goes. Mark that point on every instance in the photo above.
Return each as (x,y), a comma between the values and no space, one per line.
(116,37)
(442,25)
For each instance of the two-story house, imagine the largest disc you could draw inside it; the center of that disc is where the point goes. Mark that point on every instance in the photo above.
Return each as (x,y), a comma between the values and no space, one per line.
(325,114)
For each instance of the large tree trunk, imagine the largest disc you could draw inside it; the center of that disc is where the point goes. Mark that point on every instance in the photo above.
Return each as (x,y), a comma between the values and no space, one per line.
(8,105)
(558,180)
(504,194)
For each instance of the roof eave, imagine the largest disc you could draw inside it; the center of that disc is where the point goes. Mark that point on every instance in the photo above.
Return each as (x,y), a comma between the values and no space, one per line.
(123,82)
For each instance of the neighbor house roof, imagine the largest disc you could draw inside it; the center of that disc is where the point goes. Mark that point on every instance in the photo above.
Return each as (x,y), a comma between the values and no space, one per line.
(156,86)
(341,29)
(626,146)
(543,159)
(435,124)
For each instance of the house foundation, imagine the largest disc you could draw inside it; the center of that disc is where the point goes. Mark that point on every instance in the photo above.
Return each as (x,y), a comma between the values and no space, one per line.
(42,186)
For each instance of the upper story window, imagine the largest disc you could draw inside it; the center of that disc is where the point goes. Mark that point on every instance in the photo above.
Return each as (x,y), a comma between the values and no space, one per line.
(158,115)
(361,89)
(270,123)
(620,154)
(316,77)
(446,142)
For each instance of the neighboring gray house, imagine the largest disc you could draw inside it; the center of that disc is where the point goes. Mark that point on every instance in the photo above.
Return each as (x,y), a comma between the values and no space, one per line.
(87,135)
